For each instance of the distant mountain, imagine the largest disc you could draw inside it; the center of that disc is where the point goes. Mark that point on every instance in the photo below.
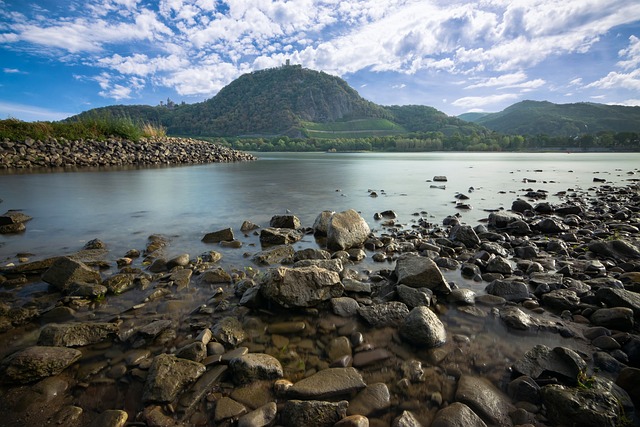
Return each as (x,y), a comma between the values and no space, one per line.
(542,117)
(289,100)
(472,117)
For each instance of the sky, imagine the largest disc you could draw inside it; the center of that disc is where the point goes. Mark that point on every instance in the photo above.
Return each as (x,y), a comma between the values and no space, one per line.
(61,57)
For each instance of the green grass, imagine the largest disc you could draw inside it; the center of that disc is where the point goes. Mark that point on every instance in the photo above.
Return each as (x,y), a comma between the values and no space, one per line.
(93,127)
(361,128)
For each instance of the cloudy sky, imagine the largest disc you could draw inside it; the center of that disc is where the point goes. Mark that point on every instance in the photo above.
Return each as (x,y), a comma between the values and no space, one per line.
(58,58)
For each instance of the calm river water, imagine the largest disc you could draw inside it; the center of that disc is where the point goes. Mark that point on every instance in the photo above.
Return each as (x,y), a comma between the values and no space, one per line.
(122,207)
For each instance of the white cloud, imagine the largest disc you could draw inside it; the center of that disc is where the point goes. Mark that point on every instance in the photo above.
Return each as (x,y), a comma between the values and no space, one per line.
(399,86)
(628,103)
(576,82)
(482,101)
(11,70)
(632,53)
(500,81)
(618,80)
(30,112)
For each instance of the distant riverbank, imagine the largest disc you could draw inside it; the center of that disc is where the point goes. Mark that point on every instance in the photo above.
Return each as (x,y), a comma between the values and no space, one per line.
(61,152)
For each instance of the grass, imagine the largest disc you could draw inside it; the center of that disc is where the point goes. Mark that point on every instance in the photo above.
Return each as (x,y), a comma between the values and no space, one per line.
(360,128)
(92,127)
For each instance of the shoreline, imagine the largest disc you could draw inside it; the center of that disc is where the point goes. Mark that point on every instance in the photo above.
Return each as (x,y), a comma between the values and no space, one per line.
(546,269)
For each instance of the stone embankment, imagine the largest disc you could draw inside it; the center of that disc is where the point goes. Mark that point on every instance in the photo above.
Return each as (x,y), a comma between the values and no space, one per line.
(114,152)
(528,320)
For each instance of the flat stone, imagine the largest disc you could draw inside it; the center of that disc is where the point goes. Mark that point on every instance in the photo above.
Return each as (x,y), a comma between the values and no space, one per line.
(111,418)
(373,399)
(509,290)
(328,383)
(620,298)
(560,362)
(228,408)
(485,400)
(420,272)
(168,376)
(219,236)
(255,366)
(64,271)
(204,385)
(300,287)
(297,413)
(76,334)
(385,314)
(371,357)
(457,415)
(37,362)
(260,417)
(620,318)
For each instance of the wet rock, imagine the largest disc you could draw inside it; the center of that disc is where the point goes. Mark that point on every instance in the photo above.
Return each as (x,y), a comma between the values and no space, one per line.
(313,413)
(86,290)
(385,314)
(190,399)
(279,236)
(521,206)
(515,318)
(620,318)
(273,255)
(168,376)
(263,416)
(524,389)
(328,383)
(423,328)
(352,285)
(414,297)
(300,287)
(229,331)
(338,347)
(619,298)
(607,363)
(248,226)
(561,299)
(462,296)
(406,419)
(420,272)
(353,421)
(502,219)
(64,271)
(12,216)
(542,361)
(76,334)
(255,366)
(111,418)
(37,362)
(372,400)
(629,380)
(509,290)
(344,306)
(195,351)
(616,249)
(498,264)
(321,224)
(583,407)
(346,230)
(371,357)
(119,283)
(285,221)
(224,235)
(519,227)
(466,235)
(485,400)
(328,264)
(215,276)
(227,408)
(549,226)
(457,415)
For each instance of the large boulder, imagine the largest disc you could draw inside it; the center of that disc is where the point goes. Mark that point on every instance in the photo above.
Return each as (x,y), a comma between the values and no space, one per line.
(346,230)
(37,362)
(66,271)
(420,272)
(300,287)
(279,236)
(321,224)
(559,362)
(423,328)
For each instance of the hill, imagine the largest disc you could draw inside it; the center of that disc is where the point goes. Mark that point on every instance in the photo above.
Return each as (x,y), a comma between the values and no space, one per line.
(289,100)
(542,117)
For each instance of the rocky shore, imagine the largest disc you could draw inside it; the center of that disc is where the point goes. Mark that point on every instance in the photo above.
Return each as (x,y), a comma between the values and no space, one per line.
(114,152)
(529,318)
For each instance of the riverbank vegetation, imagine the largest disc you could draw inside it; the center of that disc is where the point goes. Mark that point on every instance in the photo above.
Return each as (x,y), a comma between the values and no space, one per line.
(89,127)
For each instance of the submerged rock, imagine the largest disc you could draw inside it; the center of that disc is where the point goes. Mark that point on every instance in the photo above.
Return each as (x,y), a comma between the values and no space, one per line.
(65,271)
(168,376)
(423,328)
(328,383)
(581,406)
(485,400)
(76,334)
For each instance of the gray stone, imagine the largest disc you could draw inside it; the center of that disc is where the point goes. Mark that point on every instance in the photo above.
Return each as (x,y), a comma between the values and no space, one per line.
(279,236)
(385,314)
(423,328)
(620,318)
(561,299)
(215,276)
(373,399)
(248,226)
(466,235)
(485,400)
(224,235)
(255,366)
(581,406)
(328,264)
(515,318)
(300,287)
(313,413)
(181,260)
(37,362)
(344,306)
(14,217)
(76,334)
(352,285)
(509,290)
(229,331)
(524,389)
(414,297)
(616,249)
(328,383)
(620,298)
(321,224)
(111,418)
(168,376)
(346,230)
(227,408)
(549,226)
(285,221)
(190,399)
(462,296)
(273,255)
(502,219)
(420,272)
(196,351)
(406,419)
(498,264)
(64,271)
(263,416)
(118,283)
(520,206)
(338,347)
(560,362)
(457,415)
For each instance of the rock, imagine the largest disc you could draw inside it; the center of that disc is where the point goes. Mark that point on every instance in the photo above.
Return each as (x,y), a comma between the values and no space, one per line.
(261,417)
(338,347)
(168,376)
(285,221)
(485,400)
(561,299)
(279,236)
(502,219)
(300,287)
(65,271)
(420,272)
(196,351)
(524,389)
(328,264)
(37,362)
(224,235)
(440,178)
(248,226)
(423,328)
(414,297)
(111,418)
(385,314)
(76,334)
(273,255)
(620,318)
(328,383)
(118,283)
(406,419)
(519,227)
(321,224)
(353,421)
(372,400)
(457,415)
(229,331)
(191,398)
(86,290)
(313,413)
(619,298)
(255,366)
(629,380)
(344,306)
(352,285)
(521,206)
(617,249)
(549,226)
(462,296)
(14,217)
(227,408)
(509,290)
(515,318)
(215,276)
(542,361)
(181,260)
(466,235)
(370,357)
(583,407)
(346,230)
(498,264)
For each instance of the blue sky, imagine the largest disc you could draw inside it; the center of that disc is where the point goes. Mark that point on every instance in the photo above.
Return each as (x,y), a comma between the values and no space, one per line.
(59,58)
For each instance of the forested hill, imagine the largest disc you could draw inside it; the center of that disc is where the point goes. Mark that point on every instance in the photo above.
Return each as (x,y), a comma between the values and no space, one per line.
(289,100)
(541,117)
